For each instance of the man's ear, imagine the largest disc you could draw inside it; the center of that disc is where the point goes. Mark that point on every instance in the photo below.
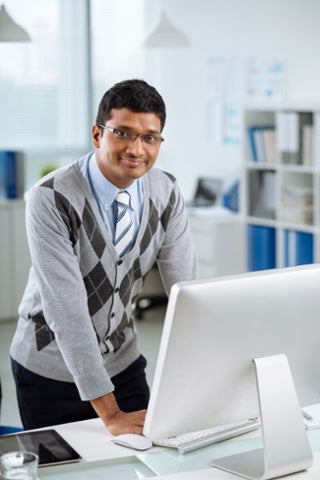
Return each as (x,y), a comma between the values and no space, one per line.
(96,136)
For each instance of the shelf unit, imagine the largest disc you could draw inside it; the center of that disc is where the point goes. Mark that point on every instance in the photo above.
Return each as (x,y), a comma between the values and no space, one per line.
(280,198)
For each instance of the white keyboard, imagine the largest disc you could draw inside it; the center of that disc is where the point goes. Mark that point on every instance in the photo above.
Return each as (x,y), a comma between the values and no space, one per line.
(187,442)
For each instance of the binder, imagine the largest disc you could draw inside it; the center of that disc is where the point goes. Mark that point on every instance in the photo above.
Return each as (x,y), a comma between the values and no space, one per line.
(261,247)
(288,136)
(270,144)
(307,145)
(290,126)
(8,175)
(260,150)
(316,139)
(298,248)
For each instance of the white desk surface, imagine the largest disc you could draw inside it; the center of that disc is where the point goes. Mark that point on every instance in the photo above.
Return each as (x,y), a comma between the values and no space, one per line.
(103,459)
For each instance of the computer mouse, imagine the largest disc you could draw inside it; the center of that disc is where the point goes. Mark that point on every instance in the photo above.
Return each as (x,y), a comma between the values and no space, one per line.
(132,440)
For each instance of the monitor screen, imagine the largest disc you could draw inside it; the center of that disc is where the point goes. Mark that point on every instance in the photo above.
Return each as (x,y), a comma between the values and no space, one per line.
(212,331)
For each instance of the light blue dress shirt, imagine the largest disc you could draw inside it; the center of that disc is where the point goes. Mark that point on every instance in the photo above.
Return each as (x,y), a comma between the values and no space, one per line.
(105,193)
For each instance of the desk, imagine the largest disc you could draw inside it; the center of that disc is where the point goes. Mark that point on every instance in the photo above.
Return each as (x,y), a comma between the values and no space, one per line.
(103,460)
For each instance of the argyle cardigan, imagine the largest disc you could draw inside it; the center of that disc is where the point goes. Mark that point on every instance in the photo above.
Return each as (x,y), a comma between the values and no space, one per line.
(75,318)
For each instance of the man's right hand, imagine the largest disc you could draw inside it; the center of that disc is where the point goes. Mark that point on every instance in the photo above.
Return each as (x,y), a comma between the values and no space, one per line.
(115,420)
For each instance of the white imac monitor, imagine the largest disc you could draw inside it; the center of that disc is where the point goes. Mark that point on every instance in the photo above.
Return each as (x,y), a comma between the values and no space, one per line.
(205,374)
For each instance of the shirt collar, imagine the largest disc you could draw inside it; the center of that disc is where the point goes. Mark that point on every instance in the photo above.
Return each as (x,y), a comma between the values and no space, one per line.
(106,192)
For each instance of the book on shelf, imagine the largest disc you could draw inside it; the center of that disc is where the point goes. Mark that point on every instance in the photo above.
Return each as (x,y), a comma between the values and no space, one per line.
(298,248)
(11,175)
(316,139)
(270,144)
(261,247)
(262,143)
(290,126)
(307,145)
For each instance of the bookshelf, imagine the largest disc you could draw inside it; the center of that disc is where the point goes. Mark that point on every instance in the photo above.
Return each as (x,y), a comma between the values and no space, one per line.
(280,198)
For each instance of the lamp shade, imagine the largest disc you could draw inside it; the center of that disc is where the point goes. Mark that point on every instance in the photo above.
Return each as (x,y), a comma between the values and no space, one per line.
(166,35)
(10,31)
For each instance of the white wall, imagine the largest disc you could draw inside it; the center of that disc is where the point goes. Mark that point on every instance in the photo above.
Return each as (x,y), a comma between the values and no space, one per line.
(289,29)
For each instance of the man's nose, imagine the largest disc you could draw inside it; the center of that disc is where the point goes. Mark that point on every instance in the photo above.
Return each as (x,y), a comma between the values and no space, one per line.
(136,147)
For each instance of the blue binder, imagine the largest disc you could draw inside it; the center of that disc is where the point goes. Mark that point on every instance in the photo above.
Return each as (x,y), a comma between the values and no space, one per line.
(298,248)
(8,174)
(261,247)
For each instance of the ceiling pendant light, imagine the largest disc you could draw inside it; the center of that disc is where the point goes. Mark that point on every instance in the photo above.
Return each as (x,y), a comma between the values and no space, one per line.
(166,35)
(10,31)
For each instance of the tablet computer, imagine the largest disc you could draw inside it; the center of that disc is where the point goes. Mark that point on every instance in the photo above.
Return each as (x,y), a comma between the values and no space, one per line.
(48,444)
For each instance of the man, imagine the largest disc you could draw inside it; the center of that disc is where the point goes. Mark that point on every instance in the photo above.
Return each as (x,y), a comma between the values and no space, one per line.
(75,354)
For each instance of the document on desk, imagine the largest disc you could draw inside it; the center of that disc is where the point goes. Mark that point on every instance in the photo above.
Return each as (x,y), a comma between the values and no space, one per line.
(311,416)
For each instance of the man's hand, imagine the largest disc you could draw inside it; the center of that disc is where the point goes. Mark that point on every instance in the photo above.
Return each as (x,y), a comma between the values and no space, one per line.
(116,421)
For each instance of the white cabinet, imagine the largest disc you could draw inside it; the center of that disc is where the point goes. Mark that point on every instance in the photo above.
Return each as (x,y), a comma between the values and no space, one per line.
(14,257)
(280,194)
(219,240)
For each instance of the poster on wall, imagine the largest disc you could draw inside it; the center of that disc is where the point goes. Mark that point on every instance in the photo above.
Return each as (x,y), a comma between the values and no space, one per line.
(232,82)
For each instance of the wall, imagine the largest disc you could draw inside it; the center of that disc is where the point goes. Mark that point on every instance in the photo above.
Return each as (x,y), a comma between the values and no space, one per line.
(232,28)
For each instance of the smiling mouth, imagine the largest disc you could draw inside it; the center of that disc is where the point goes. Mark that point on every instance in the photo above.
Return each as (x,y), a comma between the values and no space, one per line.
(132,162)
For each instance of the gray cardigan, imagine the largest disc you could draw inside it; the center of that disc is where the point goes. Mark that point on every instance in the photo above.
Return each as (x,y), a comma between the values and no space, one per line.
(76,320)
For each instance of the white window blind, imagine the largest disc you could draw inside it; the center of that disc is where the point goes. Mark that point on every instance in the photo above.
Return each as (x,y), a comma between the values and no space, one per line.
(50,88)
(41,81)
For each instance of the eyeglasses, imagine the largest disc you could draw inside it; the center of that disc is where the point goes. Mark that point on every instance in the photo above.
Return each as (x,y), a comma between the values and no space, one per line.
(129,137)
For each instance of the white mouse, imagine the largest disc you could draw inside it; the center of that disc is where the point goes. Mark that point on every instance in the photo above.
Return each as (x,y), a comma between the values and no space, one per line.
(132,440)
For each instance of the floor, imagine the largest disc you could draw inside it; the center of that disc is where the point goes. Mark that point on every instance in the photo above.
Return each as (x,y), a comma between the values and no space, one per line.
(149,328)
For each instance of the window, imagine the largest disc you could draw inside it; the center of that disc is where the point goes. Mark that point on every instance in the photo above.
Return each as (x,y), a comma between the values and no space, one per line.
(47,105)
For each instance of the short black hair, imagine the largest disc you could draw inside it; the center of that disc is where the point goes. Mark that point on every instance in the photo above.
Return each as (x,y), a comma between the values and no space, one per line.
(136,95)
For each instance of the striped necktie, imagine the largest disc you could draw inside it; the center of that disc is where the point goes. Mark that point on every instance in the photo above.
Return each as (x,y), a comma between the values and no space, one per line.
(124,226)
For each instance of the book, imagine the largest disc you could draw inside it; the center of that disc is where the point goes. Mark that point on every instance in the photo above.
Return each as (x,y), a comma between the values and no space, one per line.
(307,145)
(316,139)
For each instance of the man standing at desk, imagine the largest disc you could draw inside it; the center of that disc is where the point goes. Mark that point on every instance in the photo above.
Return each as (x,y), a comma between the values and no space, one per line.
(75,353)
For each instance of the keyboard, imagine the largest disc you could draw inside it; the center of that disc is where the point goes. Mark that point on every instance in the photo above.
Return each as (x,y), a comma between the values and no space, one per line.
(186,442)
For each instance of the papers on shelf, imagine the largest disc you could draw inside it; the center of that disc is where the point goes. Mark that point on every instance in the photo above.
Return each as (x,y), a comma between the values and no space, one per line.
(314,412)
(297,204)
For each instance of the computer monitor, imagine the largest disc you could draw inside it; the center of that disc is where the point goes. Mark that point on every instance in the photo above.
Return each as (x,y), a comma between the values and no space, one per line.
(213,330)
(207,193)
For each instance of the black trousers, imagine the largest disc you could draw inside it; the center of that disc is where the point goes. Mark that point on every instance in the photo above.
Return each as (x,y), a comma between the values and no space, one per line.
(44,402)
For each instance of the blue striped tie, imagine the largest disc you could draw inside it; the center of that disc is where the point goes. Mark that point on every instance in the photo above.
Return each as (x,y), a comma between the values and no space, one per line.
(124,226)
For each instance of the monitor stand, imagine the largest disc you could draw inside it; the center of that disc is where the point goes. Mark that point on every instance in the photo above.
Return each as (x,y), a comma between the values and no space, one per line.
(286,448)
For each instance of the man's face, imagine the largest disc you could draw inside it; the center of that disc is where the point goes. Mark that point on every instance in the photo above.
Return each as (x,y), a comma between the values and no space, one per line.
(120,161)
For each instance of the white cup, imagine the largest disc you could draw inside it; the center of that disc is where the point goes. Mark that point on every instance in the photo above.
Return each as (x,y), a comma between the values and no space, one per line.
(19,466)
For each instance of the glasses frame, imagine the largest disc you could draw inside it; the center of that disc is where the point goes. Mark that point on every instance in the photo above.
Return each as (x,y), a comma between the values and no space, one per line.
(131,137)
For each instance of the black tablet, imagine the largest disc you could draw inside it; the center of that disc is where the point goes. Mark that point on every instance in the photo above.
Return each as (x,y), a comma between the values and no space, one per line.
(48,444)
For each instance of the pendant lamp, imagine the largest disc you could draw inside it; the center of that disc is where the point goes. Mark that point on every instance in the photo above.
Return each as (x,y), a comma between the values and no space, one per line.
(166,35)
(10,31)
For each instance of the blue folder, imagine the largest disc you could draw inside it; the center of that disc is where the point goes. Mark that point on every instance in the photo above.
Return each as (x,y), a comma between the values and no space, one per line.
(261,247)
(8,174)
(298,248)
